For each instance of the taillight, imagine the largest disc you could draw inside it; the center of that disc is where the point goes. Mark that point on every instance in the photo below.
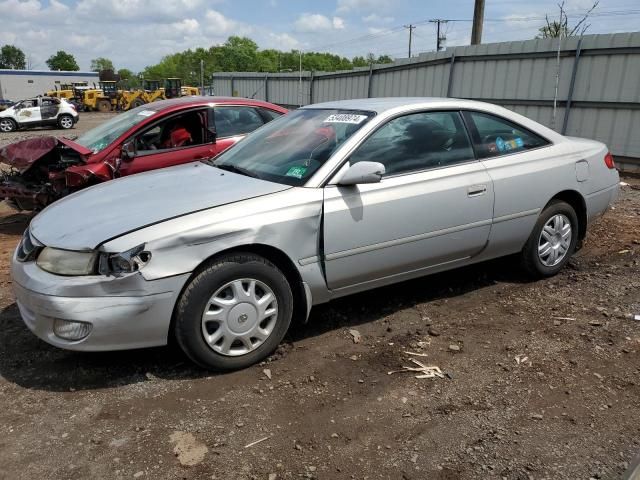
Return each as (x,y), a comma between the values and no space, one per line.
(608,161)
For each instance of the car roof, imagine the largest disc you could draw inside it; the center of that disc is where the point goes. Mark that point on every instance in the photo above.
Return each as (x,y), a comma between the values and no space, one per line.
(382,104)
(197,100)
(41,97)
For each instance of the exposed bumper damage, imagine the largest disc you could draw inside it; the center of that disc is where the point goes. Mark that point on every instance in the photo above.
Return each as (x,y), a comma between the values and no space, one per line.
(38,171)
(127,312)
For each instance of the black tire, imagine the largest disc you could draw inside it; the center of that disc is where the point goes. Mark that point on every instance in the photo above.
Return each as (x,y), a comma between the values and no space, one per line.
(9,125)
(194,299)
(104,106)
(65,122)
(137,103)
(530,259)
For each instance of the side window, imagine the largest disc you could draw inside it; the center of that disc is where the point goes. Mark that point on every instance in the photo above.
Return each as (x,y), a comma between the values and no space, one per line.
(269,115)
(231,121)
(498,136)
(417,142)
(185,130)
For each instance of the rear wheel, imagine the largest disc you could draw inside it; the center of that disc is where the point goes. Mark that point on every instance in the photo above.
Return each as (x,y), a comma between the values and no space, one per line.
(65,122)
(234,313)
(104,106)
(552,241)
(137,103)
(7,125)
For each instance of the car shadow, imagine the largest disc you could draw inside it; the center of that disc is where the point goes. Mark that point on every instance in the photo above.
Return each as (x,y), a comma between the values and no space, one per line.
(15,223)
(31,363)
(372,305)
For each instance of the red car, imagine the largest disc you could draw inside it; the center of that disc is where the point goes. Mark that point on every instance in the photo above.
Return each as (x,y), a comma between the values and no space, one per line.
(155,135)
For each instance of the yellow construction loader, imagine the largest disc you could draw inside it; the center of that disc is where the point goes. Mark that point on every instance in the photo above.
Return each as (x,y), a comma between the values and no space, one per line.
(153,91)
(190,91)
(65,91)
(128,99)
(93,99)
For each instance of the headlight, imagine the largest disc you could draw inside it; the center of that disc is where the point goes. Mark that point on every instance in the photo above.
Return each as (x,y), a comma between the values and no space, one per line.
(66,262)
(124,262)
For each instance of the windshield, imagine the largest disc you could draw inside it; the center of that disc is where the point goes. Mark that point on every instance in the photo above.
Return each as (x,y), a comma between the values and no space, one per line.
(289,150)
(97,139)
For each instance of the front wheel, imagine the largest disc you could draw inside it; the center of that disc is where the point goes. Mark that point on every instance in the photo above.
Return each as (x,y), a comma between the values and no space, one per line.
(65,122)
(234,313)
(552,241)
(7,125)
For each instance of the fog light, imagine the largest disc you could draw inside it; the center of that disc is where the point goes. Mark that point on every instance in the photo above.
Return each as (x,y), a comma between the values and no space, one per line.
(69,330)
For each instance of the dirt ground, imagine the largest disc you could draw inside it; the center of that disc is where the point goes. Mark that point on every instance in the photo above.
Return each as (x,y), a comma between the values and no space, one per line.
(87,121)
(542,382)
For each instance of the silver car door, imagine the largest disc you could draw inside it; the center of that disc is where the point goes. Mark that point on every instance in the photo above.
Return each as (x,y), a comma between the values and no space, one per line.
(525,171)
(433,206)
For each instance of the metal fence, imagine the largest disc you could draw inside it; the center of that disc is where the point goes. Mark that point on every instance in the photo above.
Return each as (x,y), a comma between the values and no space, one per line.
(598,92)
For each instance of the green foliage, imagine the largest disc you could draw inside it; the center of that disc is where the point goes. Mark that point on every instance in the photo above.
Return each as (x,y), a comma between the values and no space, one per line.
(99,64)
(63,61)
(241,54)
(128,79)
(12,57)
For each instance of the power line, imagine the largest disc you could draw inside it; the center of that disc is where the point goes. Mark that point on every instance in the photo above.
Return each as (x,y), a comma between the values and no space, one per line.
(399,28)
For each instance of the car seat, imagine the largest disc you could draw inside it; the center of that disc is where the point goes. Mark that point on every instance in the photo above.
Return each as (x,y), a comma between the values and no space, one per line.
(177,136)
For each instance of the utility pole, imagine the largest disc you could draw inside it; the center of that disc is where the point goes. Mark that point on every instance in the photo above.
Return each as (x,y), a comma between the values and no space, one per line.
(411,28)
(439,37)
(478,18)
(201,77)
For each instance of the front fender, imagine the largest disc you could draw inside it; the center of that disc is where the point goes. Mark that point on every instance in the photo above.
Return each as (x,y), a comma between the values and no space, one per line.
(288,221)
(80,175)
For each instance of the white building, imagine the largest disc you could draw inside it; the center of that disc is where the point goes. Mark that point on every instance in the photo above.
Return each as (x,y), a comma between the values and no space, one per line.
(20,84)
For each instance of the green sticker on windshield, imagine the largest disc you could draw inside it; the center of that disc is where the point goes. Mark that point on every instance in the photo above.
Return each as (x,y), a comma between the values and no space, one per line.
(297,172)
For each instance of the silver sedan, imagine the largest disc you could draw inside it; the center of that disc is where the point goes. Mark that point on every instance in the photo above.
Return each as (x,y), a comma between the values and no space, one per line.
(328,200)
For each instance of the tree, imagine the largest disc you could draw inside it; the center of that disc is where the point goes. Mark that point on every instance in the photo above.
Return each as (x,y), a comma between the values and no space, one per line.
(99,64)
(63,61)
(241,54)
(12,57)
(560,28)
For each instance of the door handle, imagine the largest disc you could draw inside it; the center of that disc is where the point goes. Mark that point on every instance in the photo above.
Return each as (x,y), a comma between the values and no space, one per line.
(476,190)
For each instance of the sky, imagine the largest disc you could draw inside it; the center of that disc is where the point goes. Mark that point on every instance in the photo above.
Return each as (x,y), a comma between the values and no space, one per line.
(137,33)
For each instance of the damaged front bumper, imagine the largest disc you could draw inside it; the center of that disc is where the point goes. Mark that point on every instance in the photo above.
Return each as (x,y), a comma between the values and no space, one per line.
(21,197)
(123,312)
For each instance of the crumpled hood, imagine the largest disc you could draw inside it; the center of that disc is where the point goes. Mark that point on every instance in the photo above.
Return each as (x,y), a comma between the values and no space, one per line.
(88,218)
(21,155)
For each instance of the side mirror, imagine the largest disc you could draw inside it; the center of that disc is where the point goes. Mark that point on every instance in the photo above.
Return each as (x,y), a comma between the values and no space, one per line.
(128,150)
(362,172)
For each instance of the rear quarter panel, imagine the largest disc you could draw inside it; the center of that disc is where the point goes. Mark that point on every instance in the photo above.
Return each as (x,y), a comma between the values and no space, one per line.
(524,183)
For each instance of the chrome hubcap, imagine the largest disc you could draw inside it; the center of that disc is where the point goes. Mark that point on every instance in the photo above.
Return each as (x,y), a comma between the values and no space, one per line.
(5,126)
(66,122)
(555,240)
(239,317)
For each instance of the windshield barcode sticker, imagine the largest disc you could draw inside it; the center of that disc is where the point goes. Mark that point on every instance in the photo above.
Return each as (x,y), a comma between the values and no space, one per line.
(146,113)
(345,118)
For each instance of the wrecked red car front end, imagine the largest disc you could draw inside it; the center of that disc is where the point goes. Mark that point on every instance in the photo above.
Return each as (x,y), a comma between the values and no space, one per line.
(38,171)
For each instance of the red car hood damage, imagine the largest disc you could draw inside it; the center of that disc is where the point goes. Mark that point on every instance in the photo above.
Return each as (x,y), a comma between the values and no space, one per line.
(22,155)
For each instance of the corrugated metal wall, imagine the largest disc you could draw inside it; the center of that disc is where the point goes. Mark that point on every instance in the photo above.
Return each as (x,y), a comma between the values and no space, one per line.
(598,90)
